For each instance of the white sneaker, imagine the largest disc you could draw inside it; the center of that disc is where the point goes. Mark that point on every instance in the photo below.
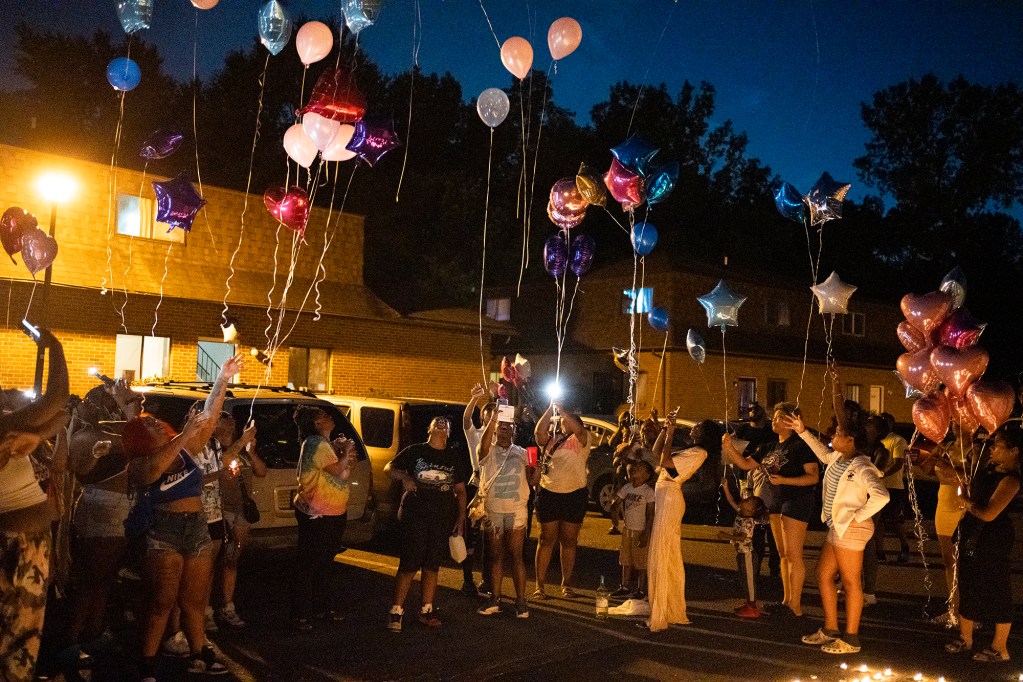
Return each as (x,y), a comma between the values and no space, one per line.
(869,599)
(176,646)
(229,616)
(211,624)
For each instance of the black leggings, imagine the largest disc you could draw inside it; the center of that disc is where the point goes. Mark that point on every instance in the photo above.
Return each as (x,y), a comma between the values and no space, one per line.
(314,587)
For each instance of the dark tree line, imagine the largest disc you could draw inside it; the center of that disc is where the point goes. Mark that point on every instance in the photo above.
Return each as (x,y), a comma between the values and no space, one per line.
(945,158)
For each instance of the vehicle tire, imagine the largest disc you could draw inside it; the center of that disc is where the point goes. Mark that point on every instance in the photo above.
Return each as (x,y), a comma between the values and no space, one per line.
(603,494)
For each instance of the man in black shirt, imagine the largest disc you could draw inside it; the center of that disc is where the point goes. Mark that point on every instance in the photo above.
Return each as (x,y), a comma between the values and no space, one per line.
(433,476)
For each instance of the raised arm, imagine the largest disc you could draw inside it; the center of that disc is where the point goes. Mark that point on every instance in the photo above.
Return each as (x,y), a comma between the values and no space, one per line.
(487,440)
(477,393)
(148,468)
(542,430)
(1000,499)
(795,422)
(214,404)
(662,447)
(43,409)
(734,456)
(575,426)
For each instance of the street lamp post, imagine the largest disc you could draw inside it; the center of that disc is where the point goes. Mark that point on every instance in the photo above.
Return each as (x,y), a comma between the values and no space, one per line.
(56,188)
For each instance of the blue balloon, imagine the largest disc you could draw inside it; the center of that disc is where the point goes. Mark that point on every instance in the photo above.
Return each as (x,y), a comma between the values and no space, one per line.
(635,154)
(658,318)
(135,15)
(644,238)
(661,182)
(275,26)
(360,14)
(123,74)
(790,203)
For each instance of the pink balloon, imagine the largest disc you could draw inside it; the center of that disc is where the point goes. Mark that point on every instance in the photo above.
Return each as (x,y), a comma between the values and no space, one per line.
(300,148)
(320,129)
(915,369)
(290,207)
(563,37)
(912,338)
(957,369)
(517,56)
(932,415)
(992,402)
(624,185)
(336,150)
(565,221)
(963,415)
(204,4)
(313,42)
(927,311)
(960,329)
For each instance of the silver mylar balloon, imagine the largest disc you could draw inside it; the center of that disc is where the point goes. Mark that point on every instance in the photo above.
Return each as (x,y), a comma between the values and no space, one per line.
(275,26)
(696,346)
(722,306)
(954,284)
(833,295)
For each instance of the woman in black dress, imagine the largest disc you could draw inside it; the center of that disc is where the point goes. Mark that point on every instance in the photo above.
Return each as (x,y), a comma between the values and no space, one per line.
(986,536)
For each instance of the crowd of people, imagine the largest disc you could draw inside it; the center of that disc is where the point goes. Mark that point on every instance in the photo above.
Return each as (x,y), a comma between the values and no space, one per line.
(169,505)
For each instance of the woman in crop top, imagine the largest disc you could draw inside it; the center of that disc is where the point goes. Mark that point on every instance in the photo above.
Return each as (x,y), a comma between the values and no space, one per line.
(24,519)
(179,557)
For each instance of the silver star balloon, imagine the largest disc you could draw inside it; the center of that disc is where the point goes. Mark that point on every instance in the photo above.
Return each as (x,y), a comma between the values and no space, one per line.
(825,199)
(833,295)
(722,306)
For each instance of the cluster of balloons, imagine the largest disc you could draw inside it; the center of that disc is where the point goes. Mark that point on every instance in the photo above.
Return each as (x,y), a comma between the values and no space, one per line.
(819,205)
(943,364)
(177,202)
(513,373)
(833,295)
(19,232)
(563,37)
(559,256)
(634,177)
(722,306)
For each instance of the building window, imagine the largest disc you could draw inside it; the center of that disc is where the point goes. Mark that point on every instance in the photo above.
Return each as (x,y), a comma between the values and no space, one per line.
(499,309)
(136,217)
(141,358)
(877,399)
(308,368)
(637,300)
(776,313)
(746,394)
(853,324)
(776,393)
(852,392)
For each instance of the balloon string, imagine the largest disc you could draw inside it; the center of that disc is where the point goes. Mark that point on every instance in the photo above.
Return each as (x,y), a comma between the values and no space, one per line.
(633,365)
(830,369)
(536,158)
(724,372)
(355,167)
(417,26)
(492,32)
(483,262)
(660,367)
(520,200)
(112,194)
(642,283)
(159,302)
(657,48)
(195,126)
(816,73)
(31,296)
(918,521)
(617,222)
(814,273)
(131,243)
(248,187)
(273,286)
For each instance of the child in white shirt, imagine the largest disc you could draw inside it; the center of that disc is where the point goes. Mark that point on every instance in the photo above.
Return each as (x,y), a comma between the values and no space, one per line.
(637,501)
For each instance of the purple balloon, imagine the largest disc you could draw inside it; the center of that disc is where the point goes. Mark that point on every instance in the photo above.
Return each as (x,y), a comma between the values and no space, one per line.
(177,202)
(161,144)
(373,137)
(555,256)
(581,255)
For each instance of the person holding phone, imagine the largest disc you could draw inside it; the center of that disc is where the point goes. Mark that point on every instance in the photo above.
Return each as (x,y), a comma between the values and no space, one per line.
(562,497)
(25,517)
(473,434)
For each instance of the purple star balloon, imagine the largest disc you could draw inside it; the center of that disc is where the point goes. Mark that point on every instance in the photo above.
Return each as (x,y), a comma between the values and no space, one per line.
(177,202)
(161,144)
(373,137)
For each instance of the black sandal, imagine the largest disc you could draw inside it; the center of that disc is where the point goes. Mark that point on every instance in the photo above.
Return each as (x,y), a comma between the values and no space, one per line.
(958,646)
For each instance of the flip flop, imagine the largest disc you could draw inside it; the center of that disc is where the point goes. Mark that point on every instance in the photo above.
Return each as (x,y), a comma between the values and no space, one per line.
(568,593)
(540,595)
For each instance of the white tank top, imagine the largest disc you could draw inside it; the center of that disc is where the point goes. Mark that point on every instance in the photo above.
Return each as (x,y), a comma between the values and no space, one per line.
(18,486)
(567,470)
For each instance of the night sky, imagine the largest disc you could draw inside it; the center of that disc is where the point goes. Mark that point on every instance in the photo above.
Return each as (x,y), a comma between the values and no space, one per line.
(792,74)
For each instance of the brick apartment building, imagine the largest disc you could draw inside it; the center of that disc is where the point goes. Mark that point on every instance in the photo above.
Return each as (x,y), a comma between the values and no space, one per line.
(112,260)
(764,359)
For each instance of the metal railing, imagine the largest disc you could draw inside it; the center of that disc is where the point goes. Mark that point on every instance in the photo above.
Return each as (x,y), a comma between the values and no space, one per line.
(206,368)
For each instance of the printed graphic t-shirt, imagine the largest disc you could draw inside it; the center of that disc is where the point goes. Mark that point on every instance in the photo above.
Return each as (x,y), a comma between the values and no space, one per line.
(210,460)
(634,502)
(436,473)
(504,474)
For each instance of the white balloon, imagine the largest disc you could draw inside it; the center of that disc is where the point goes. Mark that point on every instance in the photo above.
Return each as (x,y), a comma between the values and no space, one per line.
(320,129)
(300,148)
(492,106)
(336,150)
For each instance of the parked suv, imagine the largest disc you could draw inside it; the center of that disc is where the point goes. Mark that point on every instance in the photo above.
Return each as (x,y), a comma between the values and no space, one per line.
(387,425)
(701,491)
(277,442)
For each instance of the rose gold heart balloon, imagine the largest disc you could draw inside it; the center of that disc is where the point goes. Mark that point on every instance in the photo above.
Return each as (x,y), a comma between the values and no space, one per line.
(915,369)
(932,414)
(963,415)
(957,369)
(926,311)
(912,338)
(991,402)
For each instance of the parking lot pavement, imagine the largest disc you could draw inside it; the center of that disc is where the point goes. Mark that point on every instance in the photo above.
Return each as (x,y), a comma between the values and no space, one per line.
(562,639)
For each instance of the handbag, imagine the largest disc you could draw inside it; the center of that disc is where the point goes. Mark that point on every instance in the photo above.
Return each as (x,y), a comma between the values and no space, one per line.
(249,509)
(140,517)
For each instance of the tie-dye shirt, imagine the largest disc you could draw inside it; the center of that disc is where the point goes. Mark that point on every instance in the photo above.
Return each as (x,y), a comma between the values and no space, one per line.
(319,492)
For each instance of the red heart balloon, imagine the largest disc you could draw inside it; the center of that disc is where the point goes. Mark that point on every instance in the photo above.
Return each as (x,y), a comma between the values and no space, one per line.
(336,97)
(912,338)
(38,250)
(14,224)
(290,207)
(915,369)
(957,369)
(624,185)
(991,402)
(963,415)
(926,312)
(932,414)
(960,329)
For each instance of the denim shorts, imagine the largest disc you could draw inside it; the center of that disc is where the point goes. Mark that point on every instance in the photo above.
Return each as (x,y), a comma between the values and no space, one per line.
(183,532)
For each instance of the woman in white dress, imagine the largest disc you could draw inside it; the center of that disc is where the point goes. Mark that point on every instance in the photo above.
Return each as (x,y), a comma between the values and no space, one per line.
(665,570)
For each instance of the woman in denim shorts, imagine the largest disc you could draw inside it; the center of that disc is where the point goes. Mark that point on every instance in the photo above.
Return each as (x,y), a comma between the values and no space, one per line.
(179,559)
